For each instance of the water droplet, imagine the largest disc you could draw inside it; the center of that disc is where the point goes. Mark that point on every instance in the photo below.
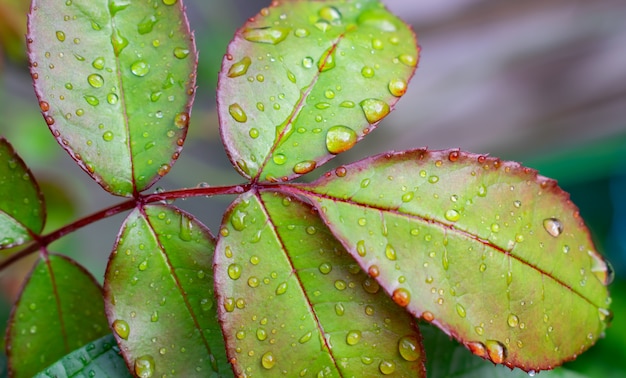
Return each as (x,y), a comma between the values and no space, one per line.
(409,349)
(140,68)
(143,265)
(397,87)
(360,248)
(186,228)
(374,109)
(377,18)
(301,33)
(477,348)
(311,230)
(144,366)
(452,215)
(390,252)
(307,62)
(154,317)
(181,120)
(512,320)
(339,309)
(325,268)
(330,14)
(92,100)
(237,113)
(460,310)
(340,139)
(121,328)
(306,337)
(496,351)
(367,72)
(268,360)
(60,35)
(119,42)
(271,35)
(601,268)
(387,367)
(370,285)
(304,167)
(146,25)
(408,196)
(482,191)
(98,63)
(327,61)
(181,52)
(279,159)
(169,2)
(240,68)
(95,80)
(353,337)
(234,271)
(377,44)
(553,226)
(112,98)
(402,297)
(408,60)
(281,288)
(107,136)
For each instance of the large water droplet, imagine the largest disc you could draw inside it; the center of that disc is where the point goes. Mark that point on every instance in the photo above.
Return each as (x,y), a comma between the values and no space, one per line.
(234,271)
(397,87)
(144,366)
(304,167)
(601,268)
(146,25)
(330,14)
(181,52)
(240,68)
(118,41)
(496,351)
(268,360)
(409,349)
(353,337)
(186,228)
(271,35)
(340,139)
(281,288)
(377,18)
(107,136)
(452,215)
(408,60)
(121,328)
(327,61)
(279,159)
(181,120)
(387,367)
(390,252)
(374,109)
(237,113)
(402,297)
(140,68)
(553,226)
(95,80)
(98,63)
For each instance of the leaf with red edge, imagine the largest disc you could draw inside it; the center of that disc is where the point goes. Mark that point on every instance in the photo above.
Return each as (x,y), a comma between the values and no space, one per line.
(115,81)
(159,295)
(292,302)
(305,80)
(493,254)
(22,211)
(60,309)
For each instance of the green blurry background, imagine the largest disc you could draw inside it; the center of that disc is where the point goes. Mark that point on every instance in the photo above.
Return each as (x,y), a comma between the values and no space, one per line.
(543,83)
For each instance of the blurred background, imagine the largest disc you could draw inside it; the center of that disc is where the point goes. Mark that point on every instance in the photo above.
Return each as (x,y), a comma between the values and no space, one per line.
(540,82)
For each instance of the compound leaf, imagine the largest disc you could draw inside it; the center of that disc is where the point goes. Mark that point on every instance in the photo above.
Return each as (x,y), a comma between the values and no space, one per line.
(22,211)
(60,309)
(98,359)
(305,80)
(293,302)
(159,295)
(490,252)
(115,81)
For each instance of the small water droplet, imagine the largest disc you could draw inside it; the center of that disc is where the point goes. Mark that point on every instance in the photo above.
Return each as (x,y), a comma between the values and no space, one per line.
(512,320)
(144,366)
(107,136)
(279,159)
(119,42)
(95,80)
(98,63)
(92,100)
(377,18)
(60,35)
(234,271)
(460,310)
(452,215)
(496,351)
(482,191)
(306,337)
(271,35)
(330,14)
(169,2)
(237,113)
(402,297)
(121,328)
(304,167)
(387,367)
(301,32)
(146,25)
(240,68)
(327,60)
(390,252)
(307,62)
(340,139)
(353,337)
(409,349)
(370,285)
(181,52)
(374,109)
(360,248)
(553,226)
(339,309)
(601,268)
(397,87)
(367,72)
(408,60)
(268,360)
(281,288)
(140,68)
(181,120)
(112,98)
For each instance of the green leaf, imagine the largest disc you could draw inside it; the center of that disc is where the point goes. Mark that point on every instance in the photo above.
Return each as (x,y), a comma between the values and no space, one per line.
(114,79)
(490,252)
(304,81)
(22,211)
(159,295)
(98,359)
(292,301)
(60,309)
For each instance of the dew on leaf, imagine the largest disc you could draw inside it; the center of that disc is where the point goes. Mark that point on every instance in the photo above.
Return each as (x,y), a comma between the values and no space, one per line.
(408,60)
(95,80)
(339,309)
(98,63)
(140,68)
(121,328)
(374,109)
(367,72)
(146,25)
(181,52)
(387,367)
(60,35)
(377,18)
(482,191)
(307,62)
(553,226)
(460,310)
(408,196)
(377,44)
(270,35)
(477,348)
(340,139)
(144,366)
(279,159)
(239,68)
(360,248)
(107,136)
(181,120)
(353,337)
(234,271)
(281,288)
(496,351)
(301,32)
(397,87)
(390,252)
(261,334)
(330,14)
(601,268)
(370,285)
(112,98)
(512,320)
(237,113)
(92,100)
(327,60)
(452,215)
(306,337)
(304,167)
(254,133)
(119,42)
(408,346)
(268,360)
(347,104)
(186,228)
(322,25)
(169,2)
(402,297)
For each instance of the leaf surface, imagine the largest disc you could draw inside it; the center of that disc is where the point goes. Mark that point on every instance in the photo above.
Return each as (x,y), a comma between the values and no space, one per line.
(114,79)
(293,302)
(490,252)
(159,295)
(98,359)
(60,309)
(303,81)
(22,211)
